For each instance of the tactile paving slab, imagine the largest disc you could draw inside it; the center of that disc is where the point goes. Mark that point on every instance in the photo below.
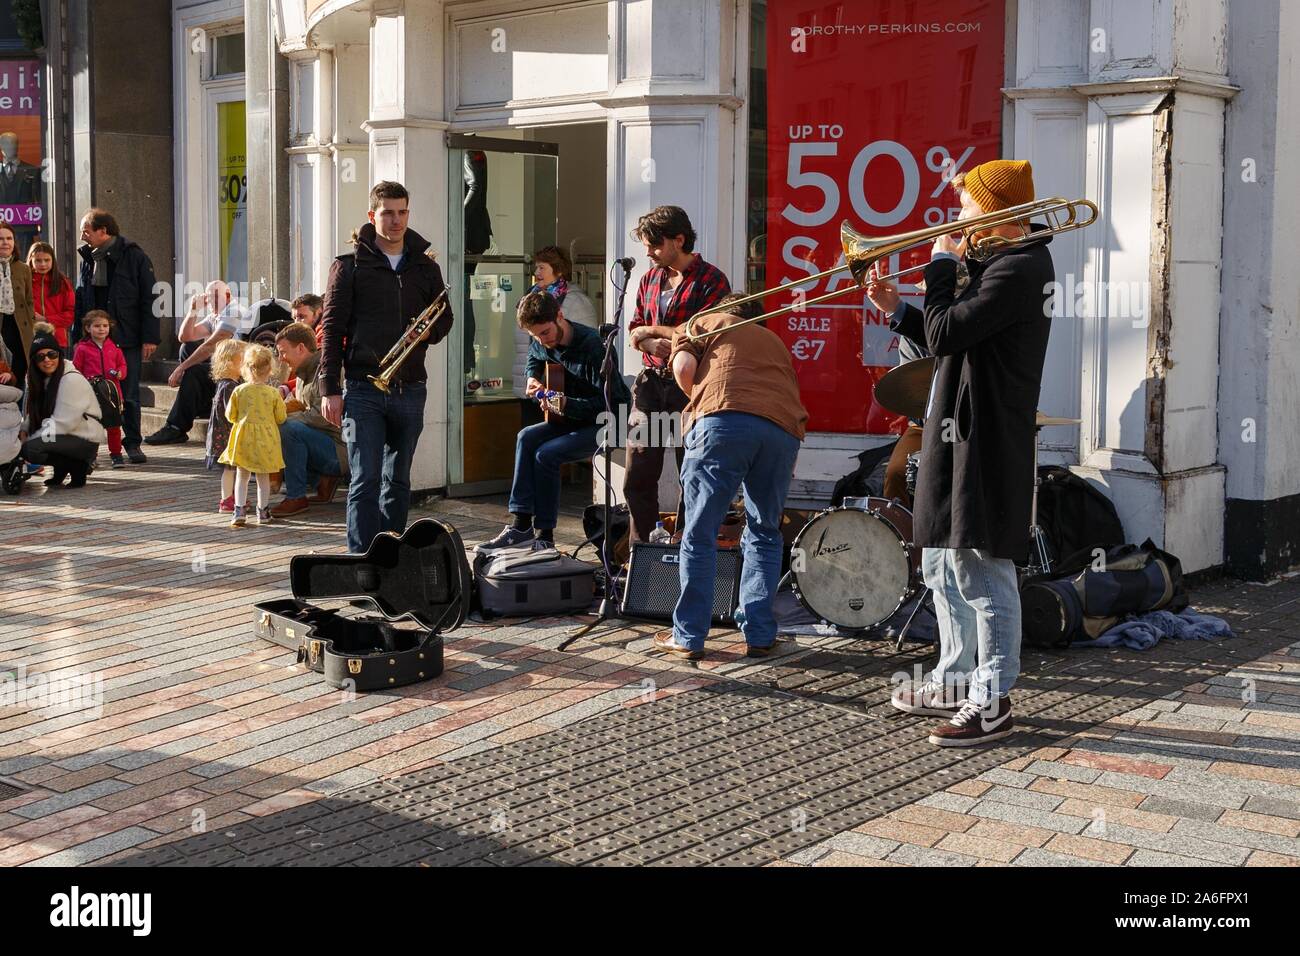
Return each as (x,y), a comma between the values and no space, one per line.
(772,758)
(781,774)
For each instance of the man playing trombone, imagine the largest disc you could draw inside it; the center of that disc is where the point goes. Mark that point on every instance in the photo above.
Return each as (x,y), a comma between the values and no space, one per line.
(370,299)
(974,489)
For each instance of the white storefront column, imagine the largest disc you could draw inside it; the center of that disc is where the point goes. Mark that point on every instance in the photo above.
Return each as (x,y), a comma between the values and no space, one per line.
(329,149)
(673,139)
(1143,85)
(406,127)
(311,168)
(1050,130)
(1259,388)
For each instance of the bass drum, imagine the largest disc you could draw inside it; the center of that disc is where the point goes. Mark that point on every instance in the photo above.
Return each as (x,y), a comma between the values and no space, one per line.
(854,567)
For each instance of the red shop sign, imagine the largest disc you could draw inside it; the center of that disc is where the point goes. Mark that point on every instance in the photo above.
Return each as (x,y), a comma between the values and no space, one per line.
(871,106)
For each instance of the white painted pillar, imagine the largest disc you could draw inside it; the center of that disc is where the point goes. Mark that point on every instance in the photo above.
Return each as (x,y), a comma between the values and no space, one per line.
(1147,82)
(1259,376)
(673,138)
(406,125)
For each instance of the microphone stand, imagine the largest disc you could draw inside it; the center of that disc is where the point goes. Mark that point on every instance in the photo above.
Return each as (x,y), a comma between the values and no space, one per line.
(609,367)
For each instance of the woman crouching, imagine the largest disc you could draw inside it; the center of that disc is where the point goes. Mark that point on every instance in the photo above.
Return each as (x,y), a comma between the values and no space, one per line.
(62,428)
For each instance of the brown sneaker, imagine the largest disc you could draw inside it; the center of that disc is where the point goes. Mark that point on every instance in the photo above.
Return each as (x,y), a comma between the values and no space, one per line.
(325,489)
(664,641)
(974,725)
(290,506)
(927,697)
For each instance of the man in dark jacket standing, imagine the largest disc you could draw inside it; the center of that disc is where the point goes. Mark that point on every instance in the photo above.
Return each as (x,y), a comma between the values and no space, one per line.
(118,277)
(975,485)
(370,300)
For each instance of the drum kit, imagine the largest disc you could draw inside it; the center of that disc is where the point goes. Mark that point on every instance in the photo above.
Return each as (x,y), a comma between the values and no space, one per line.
(855,566)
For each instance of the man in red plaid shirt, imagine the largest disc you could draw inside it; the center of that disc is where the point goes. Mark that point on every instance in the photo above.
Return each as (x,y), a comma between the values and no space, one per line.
(680,284)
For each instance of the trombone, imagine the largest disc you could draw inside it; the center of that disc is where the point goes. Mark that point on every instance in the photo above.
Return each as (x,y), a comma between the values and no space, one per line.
(862,252)
(403,347)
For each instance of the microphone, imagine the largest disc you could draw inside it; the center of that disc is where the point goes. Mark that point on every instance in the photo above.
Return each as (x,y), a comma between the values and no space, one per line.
(627,263)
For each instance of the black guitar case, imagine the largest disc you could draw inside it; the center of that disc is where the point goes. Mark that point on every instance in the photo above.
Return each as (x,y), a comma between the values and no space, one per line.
(420,577)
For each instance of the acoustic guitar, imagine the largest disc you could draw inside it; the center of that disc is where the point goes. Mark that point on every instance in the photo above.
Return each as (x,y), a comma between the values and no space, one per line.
(556,386)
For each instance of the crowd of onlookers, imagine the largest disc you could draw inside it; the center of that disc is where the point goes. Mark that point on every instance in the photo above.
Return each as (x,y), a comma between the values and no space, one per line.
(72,350)
(70,367)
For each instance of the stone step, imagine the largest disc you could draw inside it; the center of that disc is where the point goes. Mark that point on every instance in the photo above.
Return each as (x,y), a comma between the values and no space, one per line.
(152,419)
(157,395)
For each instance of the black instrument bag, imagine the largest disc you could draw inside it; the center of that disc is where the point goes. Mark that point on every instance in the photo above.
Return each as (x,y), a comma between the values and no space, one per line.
(1122,581)
(517,582)
(418,581)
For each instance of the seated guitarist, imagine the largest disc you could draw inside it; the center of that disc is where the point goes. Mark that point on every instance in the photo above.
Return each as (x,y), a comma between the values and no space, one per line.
(569,434)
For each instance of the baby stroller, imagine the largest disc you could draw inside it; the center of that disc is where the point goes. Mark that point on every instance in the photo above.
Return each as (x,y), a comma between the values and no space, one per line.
(12,471)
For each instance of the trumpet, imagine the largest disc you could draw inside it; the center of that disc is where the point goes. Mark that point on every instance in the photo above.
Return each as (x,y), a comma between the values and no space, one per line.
(862,252)
(403,347)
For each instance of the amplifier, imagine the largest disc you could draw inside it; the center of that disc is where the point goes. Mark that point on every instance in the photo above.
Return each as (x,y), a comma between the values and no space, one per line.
(654,583)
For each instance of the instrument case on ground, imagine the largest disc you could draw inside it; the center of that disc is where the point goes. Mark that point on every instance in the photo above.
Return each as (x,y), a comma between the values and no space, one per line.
(419,579)
(521,582)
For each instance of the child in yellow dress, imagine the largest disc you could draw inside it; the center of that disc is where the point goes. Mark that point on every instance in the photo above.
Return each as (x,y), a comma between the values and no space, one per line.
(255,411)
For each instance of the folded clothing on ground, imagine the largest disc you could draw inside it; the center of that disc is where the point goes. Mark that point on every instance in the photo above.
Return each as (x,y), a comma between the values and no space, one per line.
(1144,631)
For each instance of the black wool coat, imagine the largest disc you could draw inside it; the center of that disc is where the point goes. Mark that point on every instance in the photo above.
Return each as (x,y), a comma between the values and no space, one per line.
(131,295)
(975,480)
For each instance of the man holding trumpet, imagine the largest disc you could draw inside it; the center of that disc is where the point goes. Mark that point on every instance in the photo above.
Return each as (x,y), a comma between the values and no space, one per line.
(975,483)
(370,299)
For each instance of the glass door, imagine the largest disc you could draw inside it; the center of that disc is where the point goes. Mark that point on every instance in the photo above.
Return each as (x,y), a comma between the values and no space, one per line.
(502,202)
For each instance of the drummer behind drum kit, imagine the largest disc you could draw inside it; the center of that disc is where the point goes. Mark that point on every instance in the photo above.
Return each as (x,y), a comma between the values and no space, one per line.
(856,566)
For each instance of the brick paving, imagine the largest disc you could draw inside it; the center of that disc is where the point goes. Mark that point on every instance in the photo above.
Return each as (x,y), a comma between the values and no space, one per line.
(214,748)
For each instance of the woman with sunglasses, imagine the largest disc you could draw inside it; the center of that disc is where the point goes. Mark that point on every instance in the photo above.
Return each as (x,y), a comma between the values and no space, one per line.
(62,427)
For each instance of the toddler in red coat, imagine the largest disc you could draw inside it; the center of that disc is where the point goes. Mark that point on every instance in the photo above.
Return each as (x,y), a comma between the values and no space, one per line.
(98,355)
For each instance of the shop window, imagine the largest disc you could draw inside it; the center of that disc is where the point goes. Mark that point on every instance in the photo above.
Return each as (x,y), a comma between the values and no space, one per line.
(226,55)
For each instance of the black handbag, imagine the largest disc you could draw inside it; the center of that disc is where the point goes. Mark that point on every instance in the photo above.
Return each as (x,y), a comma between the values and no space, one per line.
(110,401)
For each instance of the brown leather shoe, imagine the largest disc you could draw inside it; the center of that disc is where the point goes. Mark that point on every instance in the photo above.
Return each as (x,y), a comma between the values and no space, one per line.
(290,506)
(325,490)
(277,479)
(664,641)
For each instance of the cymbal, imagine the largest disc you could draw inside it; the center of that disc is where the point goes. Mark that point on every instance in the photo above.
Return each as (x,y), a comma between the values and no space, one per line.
(904,390)
(1040,420)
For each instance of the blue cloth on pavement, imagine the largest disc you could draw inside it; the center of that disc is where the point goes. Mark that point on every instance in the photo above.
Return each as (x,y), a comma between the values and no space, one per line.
(1143,631)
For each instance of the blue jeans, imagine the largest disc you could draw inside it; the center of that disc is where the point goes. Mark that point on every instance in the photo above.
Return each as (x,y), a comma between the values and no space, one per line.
(977,603)
(725,452)
(308,455)
(383,431)
(540,450)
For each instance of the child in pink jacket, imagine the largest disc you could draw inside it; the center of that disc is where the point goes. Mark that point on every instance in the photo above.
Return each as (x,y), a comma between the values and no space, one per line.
(98,355)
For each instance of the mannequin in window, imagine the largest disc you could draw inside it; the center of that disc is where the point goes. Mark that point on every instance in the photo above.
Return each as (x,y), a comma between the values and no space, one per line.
(478,236)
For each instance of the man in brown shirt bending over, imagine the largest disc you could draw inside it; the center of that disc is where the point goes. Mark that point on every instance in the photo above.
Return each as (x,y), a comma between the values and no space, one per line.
(743,425)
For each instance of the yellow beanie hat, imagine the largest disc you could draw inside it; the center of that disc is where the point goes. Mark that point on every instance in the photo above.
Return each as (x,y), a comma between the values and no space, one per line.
(1000,183)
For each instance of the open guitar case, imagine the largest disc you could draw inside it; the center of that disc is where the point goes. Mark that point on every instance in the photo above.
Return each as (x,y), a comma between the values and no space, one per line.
(421,576)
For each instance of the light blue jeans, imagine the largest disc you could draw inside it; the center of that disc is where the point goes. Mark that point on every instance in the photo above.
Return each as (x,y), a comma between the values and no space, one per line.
(977,603)
(727,452)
